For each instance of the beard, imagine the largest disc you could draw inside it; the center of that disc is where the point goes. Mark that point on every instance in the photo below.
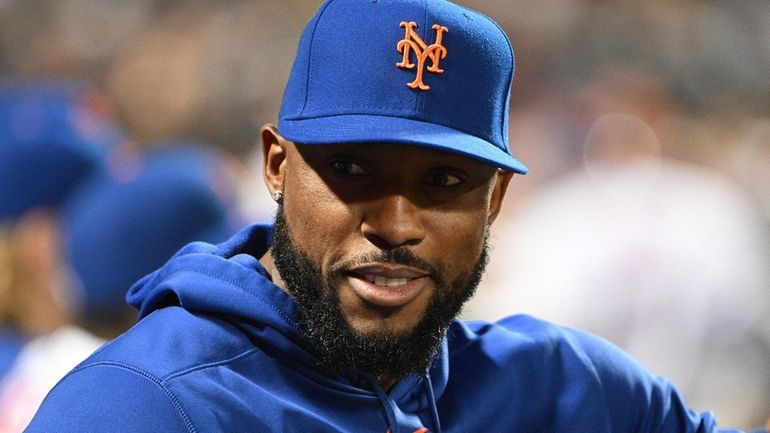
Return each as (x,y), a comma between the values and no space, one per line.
(379,353)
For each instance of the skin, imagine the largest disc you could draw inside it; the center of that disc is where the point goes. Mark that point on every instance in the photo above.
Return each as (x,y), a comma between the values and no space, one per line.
(32,291)
(345,200)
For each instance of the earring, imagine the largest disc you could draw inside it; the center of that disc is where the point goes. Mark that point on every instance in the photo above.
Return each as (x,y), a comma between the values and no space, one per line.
(278,196)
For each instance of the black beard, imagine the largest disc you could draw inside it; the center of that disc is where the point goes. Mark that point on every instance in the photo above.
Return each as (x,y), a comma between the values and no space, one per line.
(382,354)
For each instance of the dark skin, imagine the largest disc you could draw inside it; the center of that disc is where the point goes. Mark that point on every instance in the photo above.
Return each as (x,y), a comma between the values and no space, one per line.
(345,200)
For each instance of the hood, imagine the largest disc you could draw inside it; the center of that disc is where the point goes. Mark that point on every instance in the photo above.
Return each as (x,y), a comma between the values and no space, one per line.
(217,279)
(227,280)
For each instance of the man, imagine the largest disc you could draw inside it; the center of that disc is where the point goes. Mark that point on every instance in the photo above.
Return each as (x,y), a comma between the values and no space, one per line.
(389,163)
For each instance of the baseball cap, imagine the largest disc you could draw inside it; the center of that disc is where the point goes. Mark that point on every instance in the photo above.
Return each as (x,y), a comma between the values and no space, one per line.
(426,73)
(52,137)
(118,228)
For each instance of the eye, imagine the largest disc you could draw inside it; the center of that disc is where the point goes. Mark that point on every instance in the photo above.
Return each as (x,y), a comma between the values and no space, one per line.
(349,168)
(443,179)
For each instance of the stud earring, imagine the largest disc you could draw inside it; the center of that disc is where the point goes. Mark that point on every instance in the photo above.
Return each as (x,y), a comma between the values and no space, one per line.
(278,196)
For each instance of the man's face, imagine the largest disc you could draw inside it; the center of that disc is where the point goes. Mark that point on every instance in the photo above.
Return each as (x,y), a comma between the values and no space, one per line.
(380,244)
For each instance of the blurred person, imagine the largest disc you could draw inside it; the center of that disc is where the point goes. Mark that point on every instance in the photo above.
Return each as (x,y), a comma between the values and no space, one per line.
(116,228)
(54,135)
(389,164)
(668,262)
(750,161)
(664,258)
(120,228)
(205,70)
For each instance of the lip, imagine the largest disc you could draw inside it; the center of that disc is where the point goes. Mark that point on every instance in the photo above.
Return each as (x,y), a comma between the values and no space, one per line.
(394,295)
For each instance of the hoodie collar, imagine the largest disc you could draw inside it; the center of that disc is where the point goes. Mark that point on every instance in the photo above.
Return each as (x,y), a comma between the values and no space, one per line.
(225,279)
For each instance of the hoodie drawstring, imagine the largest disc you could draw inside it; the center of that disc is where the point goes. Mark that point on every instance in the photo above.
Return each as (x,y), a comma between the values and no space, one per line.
(432,402)
(389,412)
(385,403)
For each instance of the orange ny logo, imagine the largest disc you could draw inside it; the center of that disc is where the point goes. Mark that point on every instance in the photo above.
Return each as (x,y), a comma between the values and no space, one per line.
(422,51)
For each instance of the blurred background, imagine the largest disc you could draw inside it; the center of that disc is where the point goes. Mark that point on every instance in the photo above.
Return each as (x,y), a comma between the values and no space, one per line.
(646,127)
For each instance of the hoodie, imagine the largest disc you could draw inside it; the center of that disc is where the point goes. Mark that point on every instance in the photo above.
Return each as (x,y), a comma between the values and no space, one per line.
(218,348)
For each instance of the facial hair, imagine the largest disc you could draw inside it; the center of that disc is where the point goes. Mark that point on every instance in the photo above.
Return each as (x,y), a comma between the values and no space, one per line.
(380,353)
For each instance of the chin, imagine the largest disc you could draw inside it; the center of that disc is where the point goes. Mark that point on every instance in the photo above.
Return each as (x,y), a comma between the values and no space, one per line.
(382,328)
(367,319)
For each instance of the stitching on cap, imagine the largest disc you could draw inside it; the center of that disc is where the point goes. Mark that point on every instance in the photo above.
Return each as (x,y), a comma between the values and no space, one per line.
(503,134)
(310,55)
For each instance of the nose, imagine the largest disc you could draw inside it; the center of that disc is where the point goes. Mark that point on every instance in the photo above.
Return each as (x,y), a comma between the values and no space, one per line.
(392,221)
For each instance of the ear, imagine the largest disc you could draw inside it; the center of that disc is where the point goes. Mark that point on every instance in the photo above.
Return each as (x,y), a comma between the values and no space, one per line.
(498,194)
(273,157)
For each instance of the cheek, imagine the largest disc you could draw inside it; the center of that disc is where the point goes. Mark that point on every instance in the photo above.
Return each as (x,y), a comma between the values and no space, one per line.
(456,241)
(318,220)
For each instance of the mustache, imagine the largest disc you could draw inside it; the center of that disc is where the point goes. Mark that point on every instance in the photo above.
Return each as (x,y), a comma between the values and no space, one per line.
(397,256)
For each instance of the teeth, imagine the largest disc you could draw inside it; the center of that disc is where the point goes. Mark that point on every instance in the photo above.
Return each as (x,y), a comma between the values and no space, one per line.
(385,281)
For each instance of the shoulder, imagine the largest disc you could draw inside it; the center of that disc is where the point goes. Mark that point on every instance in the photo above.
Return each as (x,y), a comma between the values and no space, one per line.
(125,385)
(519,340)
(105,397)
(171,340)
(523,335)
(548,360)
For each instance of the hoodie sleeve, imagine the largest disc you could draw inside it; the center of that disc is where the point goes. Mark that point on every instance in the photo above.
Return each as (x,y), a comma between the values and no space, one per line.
(638,400)
(109,397)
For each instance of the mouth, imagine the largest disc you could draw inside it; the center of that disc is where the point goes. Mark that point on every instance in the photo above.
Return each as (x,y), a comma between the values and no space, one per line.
(388,285)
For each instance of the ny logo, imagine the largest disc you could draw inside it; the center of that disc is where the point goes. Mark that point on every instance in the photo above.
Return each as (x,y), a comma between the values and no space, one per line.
(422,51)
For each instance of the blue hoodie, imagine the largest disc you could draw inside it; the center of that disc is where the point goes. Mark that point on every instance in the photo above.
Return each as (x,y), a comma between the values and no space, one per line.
(218,349)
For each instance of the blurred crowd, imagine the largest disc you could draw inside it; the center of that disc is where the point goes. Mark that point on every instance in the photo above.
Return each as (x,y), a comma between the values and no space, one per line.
(130,128)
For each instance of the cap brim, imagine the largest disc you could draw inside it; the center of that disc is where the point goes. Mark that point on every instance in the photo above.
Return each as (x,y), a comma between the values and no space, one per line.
(361,128)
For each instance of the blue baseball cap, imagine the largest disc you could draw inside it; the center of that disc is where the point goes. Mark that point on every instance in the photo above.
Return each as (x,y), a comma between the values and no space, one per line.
(53,135)
(126,224)
(426,73)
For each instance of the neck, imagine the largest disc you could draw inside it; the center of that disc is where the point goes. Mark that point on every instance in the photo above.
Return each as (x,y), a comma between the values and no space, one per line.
(267,262)
(386,382)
